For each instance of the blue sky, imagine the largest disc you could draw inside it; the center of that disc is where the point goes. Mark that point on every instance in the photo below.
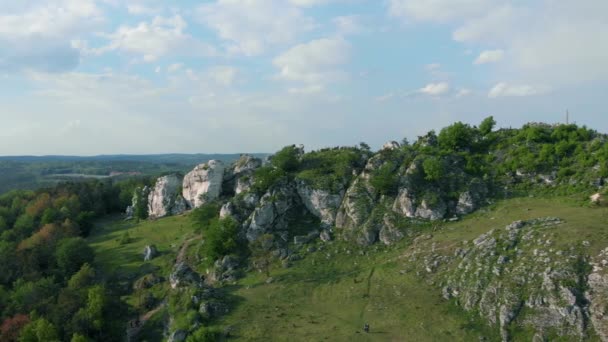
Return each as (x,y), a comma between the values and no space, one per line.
(148,76)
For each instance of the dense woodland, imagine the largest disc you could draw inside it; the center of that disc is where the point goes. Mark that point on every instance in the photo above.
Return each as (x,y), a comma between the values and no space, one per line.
(51,289)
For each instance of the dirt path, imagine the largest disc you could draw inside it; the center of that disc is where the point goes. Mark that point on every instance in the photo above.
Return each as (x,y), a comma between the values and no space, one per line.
(181,255)
(134,326)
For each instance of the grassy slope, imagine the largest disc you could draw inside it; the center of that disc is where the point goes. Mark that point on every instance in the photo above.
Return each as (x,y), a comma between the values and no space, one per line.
(330,297)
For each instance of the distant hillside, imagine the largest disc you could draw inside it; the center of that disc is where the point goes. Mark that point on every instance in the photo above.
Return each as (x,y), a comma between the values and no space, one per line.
(32,172)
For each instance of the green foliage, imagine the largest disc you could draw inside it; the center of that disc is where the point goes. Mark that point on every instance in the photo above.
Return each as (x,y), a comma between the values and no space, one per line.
(434,169)
(487,125)
(205,334)
(221,238)
(265,177)
(72,253)
(384,179)
(286,159)
(204,215)
(329,169)
(39,330)
(79,338)
(457,137)
(83,278)
(261,253)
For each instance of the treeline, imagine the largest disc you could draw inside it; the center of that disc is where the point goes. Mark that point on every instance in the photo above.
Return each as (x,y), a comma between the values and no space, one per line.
(49,287)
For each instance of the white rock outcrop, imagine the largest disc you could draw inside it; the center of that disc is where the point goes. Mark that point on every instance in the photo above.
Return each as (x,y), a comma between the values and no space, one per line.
(203,184)
(320,203)
(164,198)
(404,203)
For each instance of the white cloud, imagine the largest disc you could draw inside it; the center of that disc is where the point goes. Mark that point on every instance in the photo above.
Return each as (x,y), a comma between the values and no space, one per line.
(437,10)
(504,89)
(317,61)
(40,36)
(174,67)
(251,26)
(489,56)
(345,25)
(156,39)
(462,92)
(223,75)
(435,89)
(141,9)
(309,3)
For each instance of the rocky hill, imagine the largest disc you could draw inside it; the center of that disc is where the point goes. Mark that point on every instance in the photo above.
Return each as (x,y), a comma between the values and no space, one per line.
(515,276)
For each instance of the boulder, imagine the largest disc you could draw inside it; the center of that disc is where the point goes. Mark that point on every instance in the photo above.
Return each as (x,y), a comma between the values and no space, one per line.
(325,235)
(304,239)
(163,197)
(391,145)
(183,275)
(466,204)
(129,212)
(203,184)
(320,203)
(150,252)
(596,198)
(213,308)
(431,212)
(225,269)
(178,336)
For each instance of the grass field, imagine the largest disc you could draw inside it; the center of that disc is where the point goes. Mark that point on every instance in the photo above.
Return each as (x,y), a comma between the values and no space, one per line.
(332,292)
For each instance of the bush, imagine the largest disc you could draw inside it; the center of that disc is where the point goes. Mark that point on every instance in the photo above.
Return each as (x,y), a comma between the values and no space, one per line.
(265,177)
(286,159)
(221,238)
(433,168)
(203,216)
(385,179)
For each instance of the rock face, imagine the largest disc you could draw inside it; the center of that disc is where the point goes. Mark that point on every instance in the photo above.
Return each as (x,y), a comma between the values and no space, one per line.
(164,199)
(515,276)
(183,275)
(150,252)
(391,145)
(225,270)
(239,176)
(433,212)
(203,184)
(404,203)
(597,295)
(356,207)
(272,213)
(320,203)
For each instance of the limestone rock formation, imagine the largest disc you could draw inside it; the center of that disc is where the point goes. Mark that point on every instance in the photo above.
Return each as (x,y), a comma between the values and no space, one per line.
(320,203)
(273,211)
(164,199)
(391,145)
(433,212)
(238,177)
(404,203)
(203,184)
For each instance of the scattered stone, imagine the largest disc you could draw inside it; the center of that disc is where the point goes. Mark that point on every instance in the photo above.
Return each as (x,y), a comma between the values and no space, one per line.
(150,252)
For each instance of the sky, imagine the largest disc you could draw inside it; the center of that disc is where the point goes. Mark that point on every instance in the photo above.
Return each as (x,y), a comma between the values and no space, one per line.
(87,77)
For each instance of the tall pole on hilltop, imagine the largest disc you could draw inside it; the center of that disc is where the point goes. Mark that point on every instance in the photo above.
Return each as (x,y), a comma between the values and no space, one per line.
(567,117)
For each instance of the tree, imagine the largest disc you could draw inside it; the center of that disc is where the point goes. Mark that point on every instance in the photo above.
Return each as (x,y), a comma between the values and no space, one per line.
(83,278)
(261,252)
(287,159)
(221,238)
(205,214)
(487,125)
(457,137)
(40,330)
(433,168)
(384,179)
(12,326)
(79,338)
(72,253)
